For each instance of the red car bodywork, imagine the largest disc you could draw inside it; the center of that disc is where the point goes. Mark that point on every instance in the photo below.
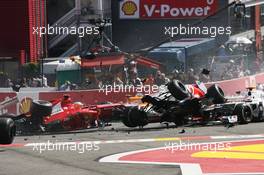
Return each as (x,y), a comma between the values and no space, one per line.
(73,116)
(195,91)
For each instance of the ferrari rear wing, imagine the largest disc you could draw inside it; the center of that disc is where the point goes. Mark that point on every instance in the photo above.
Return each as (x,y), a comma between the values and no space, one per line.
(8,102)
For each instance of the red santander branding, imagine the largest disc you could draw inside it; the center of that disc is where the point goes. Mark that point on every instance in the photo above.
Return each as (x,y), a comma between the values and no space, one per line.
(154,9)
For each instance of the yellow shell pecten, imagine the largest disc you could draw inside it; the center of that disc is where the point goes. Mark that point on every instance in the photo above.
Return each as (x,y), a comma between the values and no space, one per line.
(129,8)
(24,106)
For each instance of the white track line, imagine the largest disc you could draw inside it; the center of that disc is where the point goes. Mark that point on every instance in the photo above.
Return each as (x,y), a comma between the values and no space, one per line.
(192,138)
(186,169)
(238,136)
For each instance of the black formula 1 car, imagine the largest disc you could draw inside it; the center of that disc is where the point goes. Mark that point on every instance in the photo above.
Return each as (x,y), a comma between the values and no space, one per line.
(179,103)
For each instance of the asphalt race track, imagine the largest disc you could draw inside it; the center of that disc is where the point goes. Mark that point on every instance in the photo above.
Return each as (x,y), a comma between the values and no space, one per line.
(29,156)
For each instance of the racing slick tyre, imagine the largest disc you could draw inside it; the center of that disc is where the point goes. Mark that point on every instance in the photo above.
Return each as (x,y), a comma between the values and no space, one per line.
(7,130)
(127,123)
(136,118)
(41,107)
(178,90)
(179,121)
(123,115)
(38,110)
(216,93)
(244,114)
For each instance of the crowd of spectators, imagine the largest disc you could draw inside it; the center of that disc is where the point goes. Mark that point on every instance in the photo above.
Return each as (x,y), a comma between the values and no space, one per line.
(6,82)
(130,75)
(224,66)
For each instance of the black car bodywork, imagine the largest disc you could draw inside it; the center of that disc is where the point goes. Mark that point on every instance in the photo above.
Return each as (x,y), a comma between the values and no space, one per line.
(179,106)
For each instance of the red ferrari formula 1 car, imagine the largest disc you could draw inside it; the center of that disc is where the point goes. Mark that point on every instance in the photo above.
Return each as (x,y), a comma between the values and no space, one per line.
(63,114)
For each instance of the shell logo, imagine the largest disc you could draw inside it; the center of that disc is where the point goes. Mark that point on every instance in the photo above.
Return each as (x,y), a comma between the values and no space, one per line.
(24,106)
(129,8)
